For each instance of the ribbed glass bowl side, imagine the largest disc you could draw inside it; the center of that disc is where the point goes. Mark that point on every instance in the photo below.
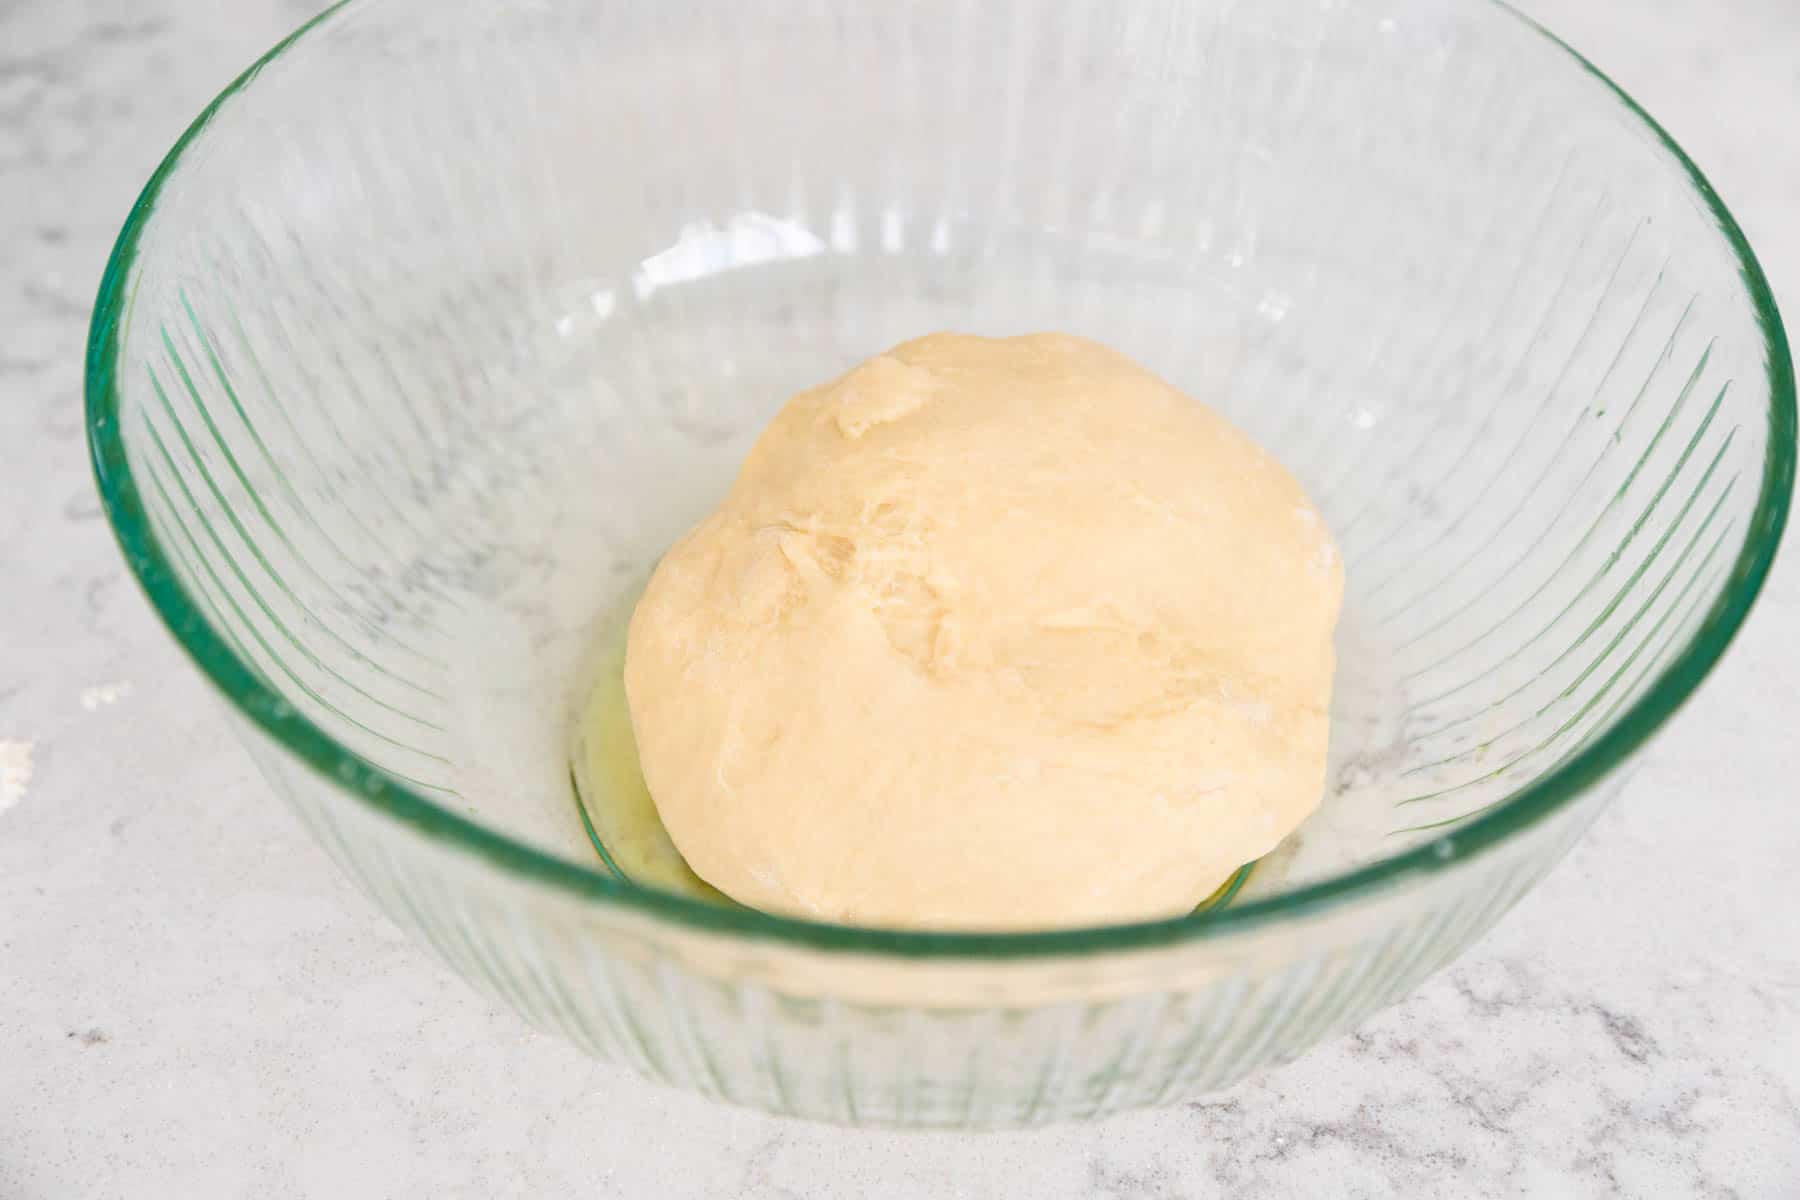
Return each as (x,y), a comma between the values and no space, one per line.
(919,1040)
(447,317)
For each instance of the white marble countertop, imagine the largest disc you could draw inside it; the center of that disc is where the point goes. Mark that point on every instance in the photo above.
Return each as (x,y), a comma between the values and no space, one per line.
(193,1002)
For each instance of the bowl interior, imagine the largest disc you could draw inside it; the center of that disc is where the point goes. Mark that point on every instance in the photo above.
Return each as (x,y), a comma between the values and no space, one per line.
(437,332)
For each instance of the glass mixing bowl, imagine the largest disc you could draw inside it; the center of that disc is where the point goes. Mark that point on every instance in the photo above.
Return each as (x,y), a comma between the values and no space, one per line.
(448,316)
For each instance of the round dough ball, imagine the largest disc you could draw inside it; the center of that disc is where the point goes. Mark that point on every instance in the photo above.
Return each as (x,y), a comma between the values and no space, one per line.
(989,633)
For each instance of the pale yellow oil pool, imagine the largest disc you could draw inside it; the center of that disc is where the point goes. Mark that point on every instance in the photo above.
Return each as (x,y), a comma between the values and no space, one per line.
(615,803)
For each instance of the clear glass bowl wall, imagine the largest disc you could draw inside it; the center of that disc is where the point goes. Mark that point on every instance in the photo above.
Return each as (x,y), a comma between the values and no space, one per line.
(437,328)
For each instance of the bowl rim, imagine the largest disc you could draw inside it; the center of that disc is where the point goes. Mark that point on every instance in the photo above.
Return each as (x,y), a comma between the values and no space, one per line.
(256,703)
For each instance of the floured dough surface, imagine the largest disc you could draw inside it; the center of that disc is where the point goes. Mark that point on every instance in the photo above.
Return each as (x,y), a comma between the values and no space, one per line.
(989,633)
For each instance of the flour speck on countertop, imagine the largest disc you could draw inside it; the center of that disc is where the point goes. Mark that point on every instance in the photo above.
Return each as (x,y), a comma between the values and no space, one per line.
(15,771)
(102,695)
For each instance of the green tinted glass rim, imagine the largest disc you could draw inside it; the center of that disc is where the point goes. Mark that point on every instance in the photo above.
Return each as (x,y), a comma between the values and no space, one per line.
(340,768)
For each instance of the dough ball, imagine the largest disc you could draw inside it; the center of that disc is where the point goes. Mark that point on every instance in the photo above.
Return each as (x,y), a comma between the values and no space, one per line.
(989,633)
